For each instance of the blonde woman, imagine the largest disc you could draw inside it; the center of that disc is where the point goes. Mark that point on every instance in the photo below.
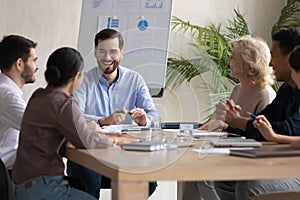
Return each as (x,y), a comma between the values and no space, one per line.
(249,63)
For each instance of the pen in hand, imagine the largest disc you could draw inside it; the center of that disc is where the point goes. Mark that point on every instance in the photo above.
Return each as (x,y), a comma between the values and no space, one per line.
(124,111)
(254,116)
(251,114)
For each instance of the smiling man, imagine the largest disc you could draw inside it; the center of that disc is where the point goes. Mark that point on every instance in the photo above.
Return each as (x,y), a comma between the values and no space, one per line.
(111,94)
(18,66)
(110,88)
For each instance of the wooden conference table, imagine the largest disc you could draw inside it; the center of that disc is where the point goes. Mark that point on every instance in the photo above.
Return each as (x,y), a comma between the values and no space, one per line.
(131,171)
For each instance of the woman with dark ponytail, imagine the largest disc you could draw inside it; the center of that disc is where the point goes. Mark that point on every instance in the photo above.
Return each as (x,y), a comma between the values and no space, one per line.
(52,118)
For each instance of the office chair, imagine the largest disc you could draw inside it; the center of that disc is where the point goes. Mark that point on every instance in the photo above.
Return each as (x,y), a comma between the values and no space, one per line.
(6,186)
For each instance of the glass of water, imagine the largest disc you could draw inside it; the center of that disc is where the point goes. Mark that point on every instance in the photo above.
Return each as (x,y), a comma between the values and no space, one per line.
(186,132)
(155,127)
(169,139)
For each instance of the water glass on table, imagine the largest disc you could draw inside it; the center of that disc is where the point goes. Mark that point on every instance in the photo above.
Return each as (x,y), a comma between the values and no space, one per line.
(186,132)
(155,127)
(169,139)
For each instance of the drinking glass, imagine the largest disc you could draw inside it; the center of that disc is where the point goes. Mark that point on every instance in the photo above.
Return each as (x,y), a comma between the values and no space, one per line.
(186,132)
(155,127)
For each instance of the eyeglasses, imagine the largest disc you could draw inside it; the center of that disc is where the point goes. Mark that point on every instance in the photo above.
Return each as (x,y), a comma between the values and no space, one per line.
(112,52)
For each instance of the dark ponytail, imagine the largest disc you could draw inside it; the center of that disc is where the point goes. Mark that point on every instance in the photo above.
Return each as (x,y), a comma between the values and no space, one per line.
(63,64)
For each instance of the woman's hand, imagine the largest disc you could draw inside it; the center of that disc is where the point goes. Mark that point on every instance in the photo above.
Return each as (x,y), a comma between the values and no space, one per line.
(264,126)
(119,139)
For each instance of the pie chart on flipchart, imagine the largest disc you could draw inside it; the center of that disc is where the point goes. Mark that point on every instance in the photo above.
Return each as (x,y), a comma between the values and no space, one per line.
(142,25)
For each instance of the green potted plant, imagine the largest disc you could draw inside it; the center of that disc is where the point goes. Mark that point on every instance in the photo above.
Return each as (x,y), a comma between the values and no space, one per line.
(212,46)
(211,43)
(212,52)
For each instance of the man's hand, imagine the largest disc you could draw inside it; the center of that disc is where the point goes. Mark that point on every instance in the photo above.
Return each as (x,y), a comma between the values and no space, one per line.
(115,118)
(138,115)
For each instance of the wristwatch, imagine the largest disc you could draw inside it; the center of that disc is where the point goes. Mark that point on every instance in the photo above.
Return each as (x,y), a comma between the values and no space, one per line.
(115,142)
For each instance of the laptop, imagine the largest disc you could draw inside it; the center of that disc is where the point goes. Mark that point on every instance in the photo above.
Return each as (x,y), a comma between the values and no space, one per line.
(176,125)
(154,145)
(234,142)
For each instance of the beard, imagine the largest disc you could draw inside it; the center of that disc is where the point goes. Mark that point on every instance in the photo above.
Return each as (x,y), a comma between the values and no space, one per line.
(28,74)
(108,69)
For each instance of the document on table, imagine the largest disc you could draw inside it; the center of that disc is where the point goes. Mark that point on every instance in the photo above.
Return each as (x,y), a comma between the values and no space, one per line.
(202,134)
(213,150)
(123,128)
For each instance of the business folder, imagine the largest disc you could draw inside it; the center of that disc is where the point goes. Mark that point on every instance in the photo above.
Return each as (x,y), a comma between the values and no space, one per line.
(236,142)
(266,152)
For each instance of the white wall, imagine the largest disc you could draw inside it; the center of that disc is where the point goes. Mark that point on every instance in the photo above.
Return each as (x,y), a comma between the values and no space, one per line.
(55,23)
(51,23)
(259,14)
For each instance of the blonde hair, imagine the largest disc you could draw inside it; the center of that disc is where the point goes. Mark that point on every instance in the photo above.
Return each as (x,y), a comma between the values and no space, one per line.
(254,55)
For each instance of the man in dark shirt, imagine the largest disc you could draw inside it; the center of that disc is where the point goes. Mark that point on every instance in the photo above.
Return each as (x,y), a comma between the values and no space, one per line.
(282,113)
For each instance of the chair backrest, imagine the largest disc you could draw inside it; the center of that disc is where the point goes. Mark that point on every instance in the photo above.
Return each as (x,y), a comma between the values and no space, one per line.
(6,186)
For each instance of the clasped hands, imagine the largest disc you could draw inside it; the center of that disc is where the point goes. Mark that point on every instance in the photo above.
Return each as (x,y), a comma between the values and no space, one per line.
(225,113)
(138,115)
(228,112)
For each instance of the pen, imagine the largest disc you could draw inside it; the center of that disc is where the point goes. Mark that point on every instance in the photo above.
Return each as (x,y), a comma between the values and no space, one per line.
(124,112)
(251,114)
(254,116)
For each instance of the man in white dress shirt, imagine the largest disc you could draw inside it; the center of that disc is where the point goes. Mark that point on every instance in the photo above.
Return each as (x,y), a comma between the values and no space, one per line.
(18,66)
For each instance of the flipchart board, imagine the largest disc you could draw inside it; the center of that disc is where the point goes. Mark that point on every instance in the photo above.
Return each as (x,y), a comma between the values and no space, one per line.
(145,26)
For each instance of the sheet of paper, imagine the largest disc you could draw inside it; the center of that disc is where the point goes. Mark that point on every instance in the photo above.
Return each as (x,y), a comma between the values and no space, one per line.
(117,23)
(141,35)
(201,134)
(123,128)
(98,6)
(154,6)
(205,133)
(216,150)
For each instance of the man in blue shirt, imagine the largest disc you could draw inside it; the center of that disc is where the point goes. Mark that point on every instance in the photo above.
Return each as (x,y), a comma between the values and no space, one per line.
(282,113)
(111,94)
(110,90)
